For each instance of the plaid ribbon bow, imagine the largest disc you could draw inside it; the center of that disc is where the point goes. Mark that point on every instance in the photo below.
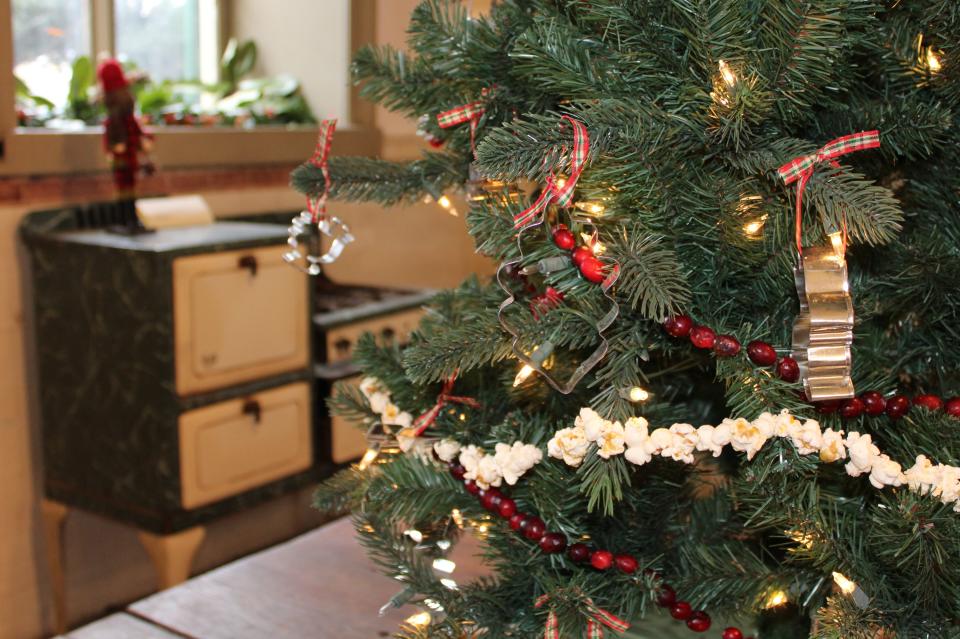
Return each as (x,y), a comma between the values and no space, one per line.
(470,112)
(555,191)
(598,618)
(424,422)
(800,169)
(318,205)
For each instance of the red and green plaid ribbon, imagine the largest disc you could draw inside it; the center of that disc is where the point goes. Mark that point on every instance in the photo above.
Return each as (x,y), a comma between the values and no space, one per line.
(445,397)
(318,205)
(471,112)
(553,191)
(800,169)
(598,618)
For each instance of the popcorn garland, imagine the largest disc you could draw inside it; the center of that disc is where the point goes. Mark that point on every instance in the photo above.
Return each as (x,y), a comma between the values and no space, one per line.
(680,441)
(507,464)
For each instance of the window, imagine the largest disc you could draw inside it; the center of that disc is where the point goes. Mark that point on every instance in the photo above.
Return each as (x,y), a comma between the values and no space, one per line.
(48,35)
(174,40)
(168,39)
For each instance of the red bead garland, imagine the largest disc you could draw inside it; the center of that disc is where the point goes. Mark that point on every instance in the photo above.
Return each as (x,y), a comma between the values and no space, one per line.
(763,354)
(534,529)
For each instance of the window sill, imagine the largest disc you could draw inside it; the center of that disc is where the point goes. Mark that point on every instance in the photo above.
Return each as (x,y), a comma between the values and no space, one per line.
(51,152)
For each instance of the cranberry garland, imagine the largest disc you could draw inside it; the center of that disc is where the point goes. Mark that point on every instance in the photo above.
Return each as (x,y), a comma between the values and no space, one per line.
(534,529)
(763,354)
(592,269)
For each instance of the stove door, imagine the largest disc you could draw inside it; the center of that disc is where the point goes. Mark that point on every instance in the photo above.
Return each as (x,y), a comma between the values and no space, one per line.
(238,316)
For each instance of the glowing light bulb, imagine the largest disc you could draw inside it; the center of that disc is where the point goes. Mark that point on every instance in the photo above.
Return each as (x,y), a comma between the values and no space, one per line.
(598,248)
(444,565)
(522,376)
(845,585)
(933,62)
(729,77)
(755,227)
(419,620)
(457,517)
(445,202)
(368,458)
(561,182)
(463,417)
(449,583)
(836,240)
(638,394)
(776,598)
(414,534)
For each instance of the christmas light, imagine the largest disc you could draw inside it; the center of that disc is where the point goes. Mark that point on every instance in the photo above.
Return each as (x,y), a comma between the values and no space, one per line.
(933,62)
(836,240)
(593,208)
(419,620)
(522,376)
(638,394)
(414,534)
(368,457)
(754,228)
(729,77)
(444,565)
(447,205)
(846,586)
(457,517)
(449,583)
(776,598)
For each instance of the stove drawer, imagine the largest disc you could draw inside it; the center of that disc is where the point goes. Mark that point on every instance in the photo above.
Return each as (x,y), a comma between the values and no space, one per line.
(238,316)
(240,444)
(341,340)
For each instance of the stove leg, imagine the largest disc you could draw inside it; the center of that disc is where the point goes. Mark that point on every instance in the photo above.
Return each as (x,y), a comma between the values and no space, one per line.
(54,515)
(172,555)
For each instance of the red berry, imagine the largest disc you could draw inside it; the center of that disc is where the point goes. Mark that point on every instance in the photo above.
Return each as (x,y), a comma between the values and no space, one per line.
(873,403)
(930,402)
(564,238)
(471,487)
(626,563)
(516,521)
(508,508)
(436,142)
(580,254)
(788,370)
(534,529)
(702,337)
(457,470)
(492,500)
(681,610)
(578,553)
(897,406)
(828,407)
(553,542)
(761,353)
(666,596)
(592,269)
(678,325)
(732,633)
(601,559)
(726,346)
(851,408)
(953,407)
(699,621)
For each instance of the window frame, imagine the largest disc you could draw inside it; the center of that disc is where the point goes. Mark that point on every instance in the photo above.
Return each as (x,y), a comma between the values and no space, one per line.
(27,151)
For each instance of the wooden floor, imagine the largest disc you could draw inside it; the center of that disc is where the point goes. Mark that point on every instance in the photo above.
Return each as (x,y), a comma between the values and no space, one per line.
(320,585)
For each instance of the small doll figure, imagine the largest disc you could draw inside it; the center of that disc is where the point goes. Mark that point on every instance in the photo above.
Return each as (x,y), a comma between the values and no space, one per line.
(123,139)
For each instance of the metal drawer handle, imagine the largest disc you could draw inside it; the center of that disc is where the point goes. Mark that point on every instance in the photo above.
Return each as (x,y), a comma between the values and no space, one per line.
(248,262)
(252,407)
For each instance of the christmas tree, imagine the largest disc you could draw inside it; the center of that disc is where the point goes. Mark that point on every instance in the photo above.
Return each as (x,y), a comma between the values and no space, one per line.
(652,404)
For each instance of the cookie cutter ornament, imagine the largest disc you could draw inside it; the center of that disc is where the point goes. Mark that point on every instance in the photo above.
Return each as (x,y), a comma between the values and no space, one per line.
(823,331)
(311,227)
(560,192)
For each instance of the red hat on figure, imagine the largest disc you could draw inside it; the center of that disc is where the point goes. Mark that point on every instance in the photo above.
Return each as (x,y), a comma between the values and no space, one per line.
(111,75)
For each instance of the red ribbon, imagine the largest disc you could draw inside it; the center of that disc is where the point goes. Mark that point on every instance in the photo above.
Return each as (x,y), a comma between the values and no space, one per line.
(426,420)
(470,112)
(800,169)
(318,205)
(598,617)
(553,191)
